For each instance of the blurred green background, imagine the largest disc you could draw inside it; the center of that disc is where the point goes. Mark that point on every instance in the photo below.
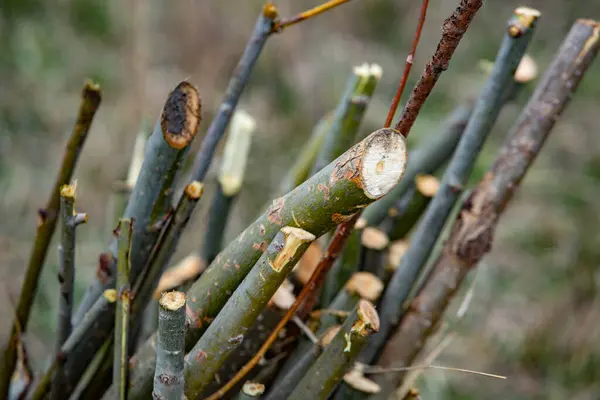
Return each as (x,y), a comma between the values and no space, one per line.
(535,312)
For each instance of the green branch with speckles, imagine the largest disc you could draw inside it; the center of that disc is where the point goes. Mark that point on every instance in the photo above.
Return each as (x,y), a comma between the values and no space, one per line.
(227,331)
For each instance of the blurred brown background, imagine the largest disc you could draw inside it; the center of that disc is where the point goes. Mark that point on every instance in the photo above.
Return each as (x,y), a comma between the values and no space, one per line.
(534,315)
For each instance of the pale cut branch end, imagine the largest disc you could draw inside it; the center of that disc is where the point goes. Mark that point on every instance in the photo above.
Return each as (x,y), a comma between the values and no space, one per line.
(309,261)
(270,11)
(284,297)
(428,185)
(525,19)
(366,285)
(396,252)
(110,295)
(368,319)
(236,152)
(253,389)
(187,269)
(357,381)
(374,238)
(172,301)
(527,70)
(194,190)
(180,117)
(384,162)
(369,70)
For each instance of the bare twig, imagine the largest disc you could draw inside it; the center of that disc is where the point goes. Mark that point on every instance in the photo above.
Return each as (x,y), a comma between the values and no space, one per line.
(303,16)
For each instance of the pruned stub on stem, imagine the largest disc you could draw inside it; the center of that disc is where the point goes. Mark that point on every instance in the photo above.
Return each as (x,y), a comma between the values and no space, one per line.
(181,115)
(368,319)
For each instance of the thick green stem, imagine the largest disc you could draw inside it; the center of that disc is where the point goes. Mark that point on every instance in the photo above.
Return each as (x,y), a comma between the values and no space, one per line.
(361,175)
(227,332)
(303,165)
(95,367)
(431,224)
(235,87)
(337,358)
(121,353)
(48,216)
(251,390)
(170,351)
(473,230)
(349,114)
(231,178)
(406,213)
(426,159)
(81,331)
(148,206)
(66,276)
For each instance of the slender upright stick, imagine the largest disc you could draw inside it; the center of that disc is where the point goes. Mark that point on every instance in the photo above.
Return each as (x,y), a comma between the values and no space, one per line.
(91,97)
(349,114)
(227,331)
(231,177)
(121,348)
(66,276)
(149,206)
(478,128)
(409,62)
(235,87)
(337,358)
(170,351)
(472,234)
(91,371)
(453,30)
(82,330)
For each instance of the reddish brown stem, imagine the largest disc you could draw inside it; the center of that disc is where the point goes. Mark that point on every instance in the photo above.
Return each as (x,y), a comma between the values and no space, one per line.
(408,65)
(452,32)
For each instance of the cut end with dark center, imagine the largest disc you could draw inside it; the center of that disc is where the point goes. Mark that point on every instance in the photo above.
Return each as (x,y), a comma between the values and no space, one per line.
(181,115)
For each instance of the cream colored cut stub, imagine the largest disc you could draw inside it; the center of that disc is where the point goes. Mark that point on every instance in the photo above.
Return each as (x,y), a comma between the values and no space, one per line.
(384,162)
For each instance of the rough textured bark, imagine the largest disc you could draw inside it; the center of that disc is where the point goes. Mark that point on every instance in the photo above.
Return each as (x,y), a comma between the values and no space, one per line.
(349,114)
(91,97)
(66,276)
(455,178)
(122,317)
(230,180)
(453,30)
(472,234)
(170,351)
(148,206)
(364,173)
(227,331)
(337,358)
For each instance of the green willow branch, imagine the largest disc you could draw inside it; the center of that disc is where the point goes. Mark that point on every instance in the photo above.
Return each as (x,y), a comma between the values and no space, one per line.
(473,230)
(235,87)
(91,97)
(148,205)
(227,331)
(170,349)
(363,174)
(230,179)
(478,128)
(349,114)
(122,317)
(337,358)
(66,276)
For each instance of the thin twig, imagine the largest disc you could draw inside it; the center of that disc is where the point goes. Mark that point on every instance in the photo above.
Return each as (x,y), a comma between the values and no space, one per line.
(90,102)
(376,370)
(408,65)
(305,329)
(303,16)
